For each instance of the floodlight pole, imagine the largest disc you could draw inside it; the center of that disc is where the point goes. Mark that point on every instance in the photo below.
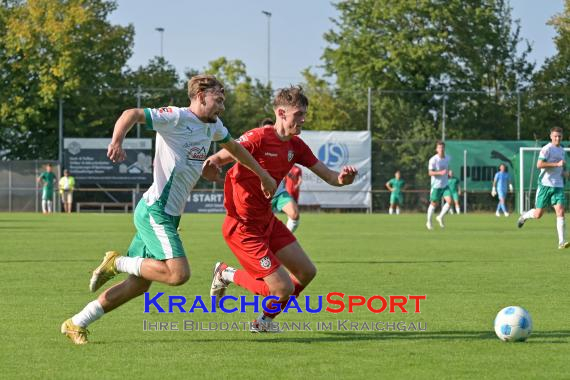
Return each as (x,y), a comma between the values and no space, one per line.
(60,139)
(518,115)
(161,31)
(369,115)
(443,119)
(268,14)
(138,106)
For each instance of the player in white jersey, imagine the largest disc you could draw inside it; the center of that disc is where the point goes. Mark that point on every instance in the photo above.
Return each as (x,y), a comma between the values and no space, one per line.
(437,170)
(551,162)
(156,253)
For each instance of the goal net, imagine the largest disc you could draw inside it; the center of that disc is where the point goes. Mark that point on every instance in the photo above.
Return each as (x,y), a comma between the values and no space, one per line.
(528,176)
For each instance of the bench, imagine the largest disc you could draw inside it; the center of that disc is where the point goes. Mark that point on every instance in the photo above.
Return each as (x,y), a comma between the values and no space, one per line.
(103,205)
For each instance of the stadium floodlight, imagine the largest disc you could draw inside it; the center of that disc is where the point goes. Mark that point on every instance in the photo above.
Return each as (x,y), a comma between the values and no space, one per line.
(268,14)
(161,31)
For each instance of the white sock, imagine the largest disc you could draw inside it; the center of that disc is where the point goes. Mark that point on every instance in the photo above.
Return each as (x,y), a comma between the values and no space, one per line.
(292,224)
(130,265)
(457,210)
(92,312)
(228,274)
(390,211)
(444,210)
(44,206)
(49,207)
(430,211)
(262,318)
(397,211)
(561,228)
(529,214)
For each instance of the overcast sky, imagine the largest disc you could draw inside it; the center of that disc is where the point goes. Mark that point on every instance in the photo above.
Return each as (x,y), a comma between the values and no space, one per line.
(196,32)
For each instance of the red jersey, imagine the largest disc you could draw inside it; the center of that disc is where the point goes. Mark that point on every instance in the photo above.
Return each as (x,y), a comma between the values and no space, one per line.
(243,198)
(292,181)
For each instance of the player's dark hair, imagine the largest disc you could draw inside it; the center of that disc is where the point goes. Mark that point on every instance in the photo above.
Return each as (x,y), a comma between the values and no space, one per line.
(266,121)
(203,82)
(439,142)
(292,96)
(556,129)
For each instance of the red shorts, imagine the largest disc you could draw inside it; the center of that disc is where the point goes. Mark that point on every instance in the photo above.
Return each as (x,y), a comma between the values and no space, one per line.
(255,245)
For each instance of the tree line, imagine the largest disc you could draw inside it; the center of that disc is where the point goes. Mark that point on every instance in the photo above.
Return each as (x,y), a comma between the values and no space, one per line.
(411,53)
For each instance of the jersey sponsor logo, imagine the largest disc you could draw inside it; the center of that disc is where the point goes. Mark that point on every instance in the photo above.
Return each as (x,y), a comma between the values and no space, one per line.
(165,109)
(333,154)
(197,153)
(271,154)
(265,262)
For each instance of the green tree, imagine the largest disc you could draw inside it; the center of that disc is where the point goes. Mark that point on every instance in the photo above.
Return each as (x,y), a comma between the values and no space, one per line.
(247,101)
(411,53)
(326,111)
(52,49)
(550,97)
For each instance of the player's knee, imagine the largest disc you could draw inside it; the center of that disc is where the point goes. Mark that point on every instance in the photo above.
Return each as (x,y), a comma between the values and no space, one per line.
(179,278)
(284,291)
(294,215)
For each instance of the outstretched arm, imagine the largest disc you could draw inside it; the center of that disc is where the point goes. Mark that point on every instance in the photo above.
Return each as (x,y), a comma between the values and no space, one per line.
(123,125)
(268,184)
(344,177)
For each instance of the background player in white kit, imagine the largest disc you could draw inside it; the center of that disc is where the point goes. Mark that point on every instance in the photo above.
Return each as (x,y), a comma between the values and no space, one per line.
(551,162)
(183,139)
(437,170)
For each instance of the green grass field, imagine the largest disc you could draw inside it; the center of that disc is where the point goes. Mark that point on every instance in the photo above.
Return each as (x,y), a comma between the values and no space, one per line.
(468,271)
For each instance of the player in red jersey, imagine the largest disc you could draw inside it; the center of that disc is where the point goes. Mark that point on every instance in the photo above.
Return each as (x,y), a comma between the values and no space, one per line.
(273,261)
(293,182)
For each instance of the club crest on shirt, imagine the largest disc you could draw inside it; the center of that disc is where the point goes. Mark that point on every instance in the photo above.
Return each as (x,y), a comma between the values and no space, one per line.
(265,262)
(290,155)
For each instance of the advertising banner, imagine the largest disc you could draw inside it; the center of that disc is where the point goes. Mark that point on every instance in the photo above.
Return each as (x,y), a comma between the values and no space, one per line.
(86,159)
(207,202)
(337,149)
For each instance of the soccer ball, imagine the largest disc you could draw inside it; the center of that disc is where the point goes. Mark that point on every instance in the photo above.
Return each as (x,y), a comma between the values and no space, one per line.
(513,324)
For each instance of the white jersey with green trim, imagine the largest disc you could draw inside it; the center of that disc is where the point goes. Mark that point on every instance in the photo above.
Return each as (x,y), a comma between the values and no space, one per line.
(182,145)
(552,177)
(437,164)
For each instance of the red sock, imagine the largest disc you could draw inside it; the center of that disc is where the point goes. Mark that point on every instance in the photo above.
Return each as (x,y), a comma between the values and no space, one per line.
(243,279)
(298,289)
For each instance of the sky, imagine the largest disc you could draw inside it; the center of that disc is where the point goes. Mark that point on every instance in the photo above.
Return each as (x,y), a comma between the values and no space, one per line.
(197,32)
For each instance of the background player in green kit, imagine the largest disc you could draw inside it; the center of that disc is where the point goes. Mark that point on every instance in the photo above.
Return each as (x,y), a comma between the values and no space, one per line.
(183,138)
(395,186)
(453,191)
(437,169)
(47,180)
(551,162)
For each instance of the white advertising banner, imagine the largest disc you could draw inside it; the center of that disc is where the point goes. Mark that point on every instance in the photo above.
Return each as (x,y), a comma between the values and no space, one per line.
(337,149)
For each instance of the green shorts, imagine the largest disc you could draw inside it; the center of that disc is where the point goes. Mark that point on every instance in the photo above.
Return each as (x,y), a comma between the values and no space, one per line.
(47,193)
(549,196)
(157,236)
(278,202)
(396,198)
(436,194)
(453,194)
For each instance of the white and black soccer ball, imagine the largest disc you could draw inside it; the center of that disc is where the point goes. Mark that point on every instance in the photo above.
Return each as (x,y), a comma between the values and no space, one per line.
(513,324)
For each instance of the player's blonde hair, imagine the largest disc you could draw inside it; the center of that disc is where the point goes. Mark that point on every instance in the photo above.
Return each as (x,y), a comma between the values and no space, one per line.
(201,83)
(290,97)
